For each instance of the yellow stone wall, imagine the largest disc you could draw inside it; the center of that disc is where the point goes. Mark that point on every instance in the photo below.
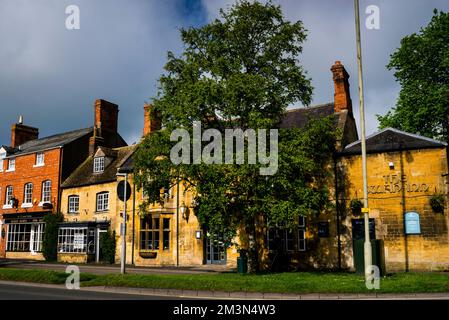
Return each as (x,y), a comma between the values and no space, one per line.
(416,176)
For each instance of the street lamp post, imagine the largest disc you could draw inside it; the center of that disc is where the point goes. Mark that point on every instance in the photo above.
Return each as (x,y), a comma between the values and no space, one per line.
(367,244)
(123,227)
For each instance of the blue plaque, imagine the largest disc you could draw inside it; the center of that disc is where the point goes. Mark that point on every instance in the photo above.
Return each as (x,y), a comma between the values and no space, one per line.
(412,224)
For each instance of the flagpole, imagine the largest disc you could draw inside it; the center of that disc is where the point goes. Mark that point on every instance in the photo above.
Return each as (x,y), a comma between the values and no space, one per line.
(367,244)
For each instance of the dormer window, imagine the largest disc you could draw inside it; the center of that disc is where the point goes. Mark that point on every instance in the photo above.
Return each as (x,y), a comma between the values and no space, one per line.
(98,164)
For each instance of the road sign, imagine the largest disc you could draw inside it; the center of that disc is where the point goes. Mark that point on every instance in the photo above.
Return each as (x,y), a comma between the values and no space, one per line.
(121,191)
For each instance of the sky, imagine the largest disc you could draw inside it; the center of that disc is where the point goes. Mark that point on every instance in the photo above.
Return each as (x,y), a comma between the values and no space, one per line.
(52,75)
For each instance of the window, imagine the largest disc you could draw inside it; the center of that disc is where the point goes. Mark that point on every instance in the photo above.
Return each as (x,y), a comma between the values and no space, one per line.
(302,234)
(280,238)
(24,237)
(166,233)
(74,204)
(11,164)
(72,240)
(102,201)
(28,194)
(8,195)
(1,164)
(98,164)
(151,232)
(46,191)
(40,159)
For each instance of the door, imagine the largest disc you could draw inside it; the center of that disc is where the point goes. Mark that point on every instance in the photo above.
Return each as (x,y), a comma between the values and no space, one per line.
(215,249)
(36,238)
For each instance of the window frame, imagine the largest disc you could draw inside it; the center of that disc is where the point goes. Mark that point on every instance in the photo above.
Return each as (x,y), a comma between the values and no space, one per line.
(99,164)
(66,239)
(155,233)
(11,164)
(9,195)
(103,207)
(76,206)
(40,159)
(28,194)
(46,192)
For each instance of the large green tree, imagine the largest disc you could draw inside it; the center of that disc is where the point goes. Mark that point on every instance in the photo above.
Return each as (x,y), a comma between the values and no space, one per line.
(240,71)
(421,67)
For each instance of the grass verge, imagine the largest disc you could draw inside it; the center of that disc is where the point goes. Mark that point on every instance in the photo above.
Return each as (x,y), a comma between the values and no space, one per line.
(294,282)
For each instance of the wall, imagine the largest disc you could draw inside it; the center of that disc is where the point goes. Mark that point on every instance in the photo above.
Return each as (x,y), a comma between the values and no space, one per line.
(416,176)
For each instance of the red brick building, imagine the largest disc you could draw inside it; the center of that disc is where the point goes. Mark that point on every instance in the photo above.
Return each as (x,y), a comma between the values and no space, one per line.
(32,170)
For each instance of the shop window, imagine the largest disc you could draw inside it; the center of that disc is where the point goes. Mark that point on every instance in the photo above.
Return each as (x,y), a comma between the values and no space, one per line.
(72,240)
(25,237)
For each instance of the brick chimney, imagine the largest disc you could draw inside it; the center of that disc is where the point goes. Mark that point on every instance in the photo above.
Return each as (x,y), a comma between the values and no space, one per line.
(342,96)
(21,133)
(106,116)
(95,141)
(152,121)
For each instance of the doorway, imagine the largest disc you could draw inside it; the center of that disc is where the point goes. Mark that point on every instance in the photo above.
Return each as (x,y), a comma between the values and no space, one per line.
(215,249)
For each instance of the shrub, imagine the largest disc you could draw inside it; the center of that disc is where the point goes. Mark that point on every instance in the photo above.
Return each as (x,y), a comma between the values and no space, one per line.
(50,238)
(107,245)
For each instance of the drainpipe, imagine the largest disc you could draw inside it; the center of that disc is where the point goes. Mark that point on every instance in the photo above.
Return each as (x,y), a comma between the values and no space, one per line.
(177,221)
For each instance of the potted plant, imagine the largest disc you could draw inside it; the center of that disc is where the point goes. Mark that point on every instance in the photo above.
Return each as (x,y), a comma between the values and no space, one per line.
(437,203)
(356,206)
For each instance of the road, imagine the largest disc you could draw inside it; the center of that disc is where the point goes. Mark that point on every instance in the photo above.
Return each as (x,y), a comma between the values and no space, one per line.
(30,292)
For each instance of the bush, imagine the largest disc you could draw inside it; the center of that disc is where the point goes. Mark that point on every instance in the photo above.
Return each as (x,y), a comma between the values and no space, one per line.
(107,245)
(50,238)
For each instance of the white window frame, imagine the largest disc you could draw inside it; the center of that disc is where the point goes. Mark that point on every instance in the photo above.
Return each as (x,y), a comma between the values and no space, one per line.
(9,190)
(11,165)
(40,159)
(102,203)
(66,239)
(74,204)
(99,164)
(27,195)
(25,237)
(46,192)
(2,157)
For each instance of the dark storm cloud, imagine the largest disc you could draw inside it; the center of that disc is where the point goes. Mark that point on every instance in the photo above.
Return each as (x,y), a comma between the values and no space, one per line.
(331,37)
(52,75)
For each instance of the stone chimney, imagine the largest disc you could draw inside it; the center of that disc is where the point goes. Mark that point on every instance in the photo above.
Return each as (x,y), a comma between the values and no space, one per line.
(95,141)
(21,133)
(106,116)
(152,121)
(342,96)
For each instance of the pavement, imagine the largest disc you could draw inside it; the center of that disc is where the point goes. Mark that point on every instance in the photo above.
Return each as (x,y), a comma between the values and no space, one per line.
(111,269)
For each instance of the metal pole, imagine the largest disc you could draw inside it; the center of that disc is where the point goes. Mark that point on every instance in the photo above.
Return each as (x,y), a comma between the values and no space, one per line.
(177,222)
(367,244)
(123,258)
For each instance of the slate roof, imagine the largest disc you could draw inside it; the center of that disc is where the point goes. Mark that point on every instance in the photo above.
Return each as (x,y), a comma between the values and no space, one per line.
(299,117)
(84,174)
(391,139)
(51,142)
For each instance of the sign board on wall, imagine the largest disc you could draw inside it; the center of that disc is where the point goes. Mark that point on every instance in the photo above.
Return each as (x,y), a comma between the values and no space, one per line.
(412,224)
(78,241)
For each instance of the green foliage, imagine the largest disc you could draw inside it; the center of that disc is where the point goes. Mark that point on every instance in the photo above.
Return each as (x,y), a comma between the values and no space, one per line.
(50,238)
(437,203)
(356,206)
(108,244)
(421,67)
(240,71)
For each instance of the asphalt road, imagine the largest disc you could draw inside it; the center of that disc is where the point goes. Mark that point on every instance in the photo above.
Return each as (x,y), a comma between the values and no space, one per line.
(24,292)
